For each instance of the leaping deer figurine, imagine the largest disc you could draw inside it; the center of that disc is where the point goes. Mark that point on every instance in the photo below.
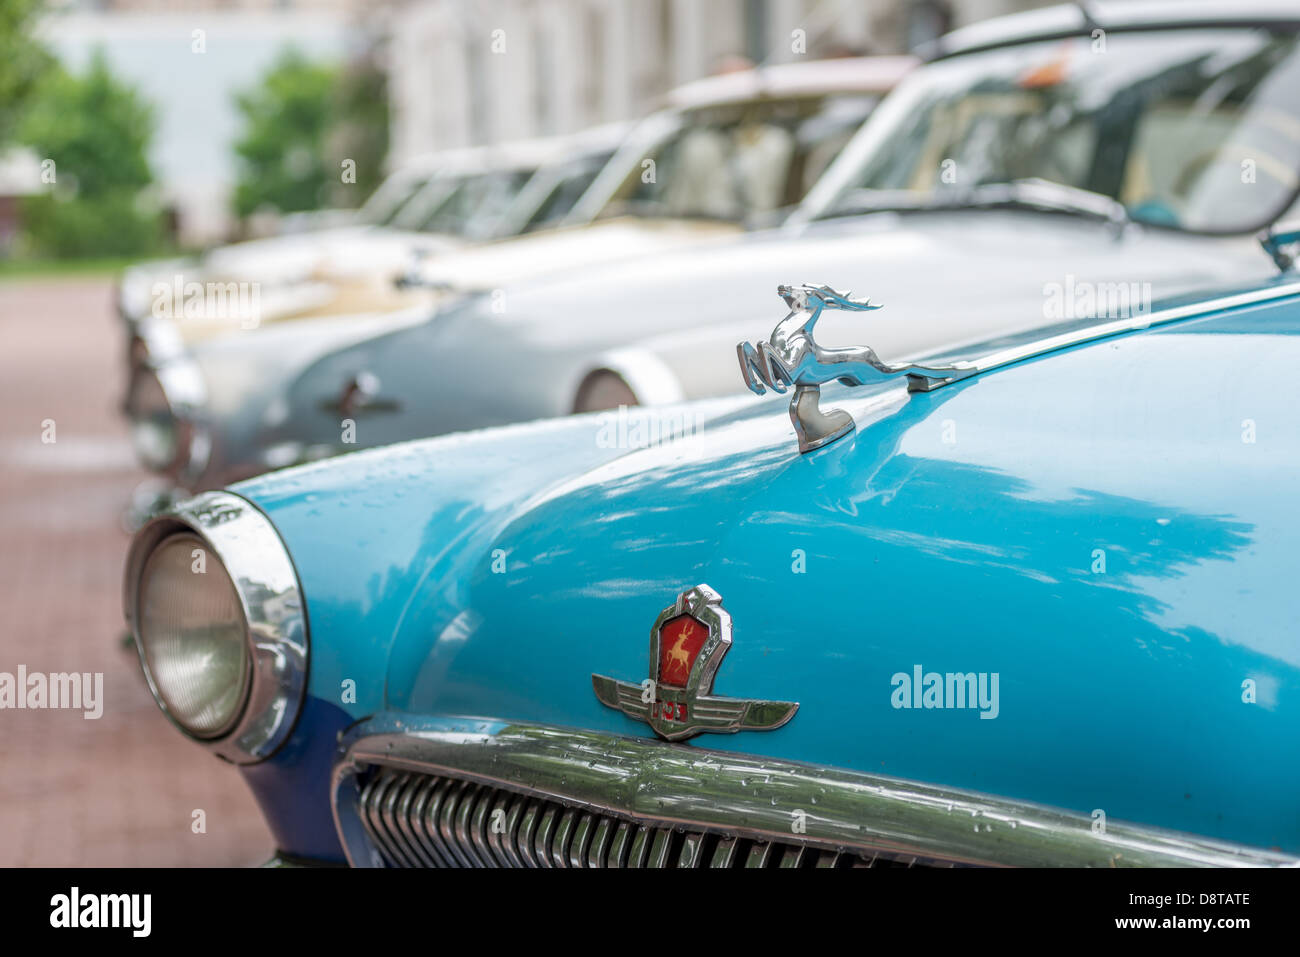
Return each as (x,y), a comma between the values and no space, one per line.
(792,357)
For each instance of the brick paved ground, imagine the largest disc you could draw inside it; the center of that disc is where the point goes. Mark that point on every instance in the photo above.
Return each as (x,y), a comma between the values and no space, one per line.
(119,790)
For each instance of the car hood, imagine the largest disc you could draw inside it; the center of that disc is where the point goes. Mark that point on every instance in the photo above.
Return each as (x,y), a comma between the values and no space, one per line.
(353,271)
(338,252)
(944,279)
(1083,525)
(243,372)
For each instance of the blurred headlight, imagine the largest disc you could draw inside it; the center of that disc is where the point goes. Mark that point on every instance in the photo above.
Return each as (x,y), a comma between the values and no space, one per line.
(192,636)
(137,351)
(153,425)
(214,602)
(163,404)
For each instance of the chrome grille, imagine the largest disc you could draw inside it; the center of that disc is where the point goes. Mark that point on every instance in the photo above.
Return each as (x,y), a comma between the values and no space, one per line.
(421,820)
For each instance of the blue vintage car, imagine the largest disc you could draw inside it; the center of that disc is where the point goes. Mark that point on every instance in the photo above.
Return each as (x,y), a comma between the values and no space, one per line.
(1030,603)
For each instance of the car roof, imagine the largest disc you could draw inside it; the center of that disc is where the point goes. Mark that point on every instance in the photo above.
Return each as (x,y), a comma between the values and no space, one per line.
(1080,19)
(868,74)
(521,154)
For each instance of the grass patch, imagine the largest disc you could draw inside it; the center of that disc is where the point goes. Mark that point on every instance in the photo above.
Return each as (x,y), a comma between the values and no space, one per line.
(104,268)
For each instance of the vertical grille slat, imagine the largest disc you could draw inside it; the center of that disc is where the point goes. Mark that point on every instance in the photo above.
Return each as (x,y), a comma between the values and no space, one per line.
(582,833)
(760,855)
(560,843)
(415,819)
(542,839)
(479,822)
(461,825)
(660,849)
(512,809)
(446,823)
(724,855)
(793,857)
(692,850)
(640,844)
(393,790)
(409,811)
(524,838)
(428,823)
(618,845)
(599,841)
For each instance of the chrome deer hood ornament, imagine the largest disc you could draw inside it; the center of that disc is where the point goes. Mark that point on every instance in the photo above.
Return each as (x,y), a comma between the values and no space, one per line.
(792,357)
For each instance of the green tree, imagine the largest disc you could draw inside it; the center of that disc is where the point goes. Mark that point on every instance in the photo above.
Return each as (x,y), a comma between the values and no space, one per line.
(281,156)
(96,131)
(359,131)
(23,61)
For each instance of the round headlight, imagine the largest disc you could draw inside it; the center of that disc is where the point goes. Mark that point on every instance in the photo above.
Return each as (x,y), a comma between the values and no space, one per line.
(213,599)
(192,635)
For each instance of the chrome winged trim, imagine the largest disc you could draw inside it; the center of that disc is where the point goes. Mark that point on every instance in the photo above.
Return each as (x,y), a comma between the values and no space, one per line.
(687,708)
(672,785)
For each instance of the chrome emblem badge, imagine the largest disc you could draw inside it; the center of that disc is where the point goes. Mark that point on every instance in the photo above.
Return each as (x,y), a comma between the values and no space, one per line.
(687,644)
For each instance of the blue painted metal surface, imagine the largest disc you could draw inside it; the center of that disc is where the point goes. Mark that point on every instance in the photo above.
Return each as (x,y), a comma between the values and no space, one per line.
(1093,526)
(292,786)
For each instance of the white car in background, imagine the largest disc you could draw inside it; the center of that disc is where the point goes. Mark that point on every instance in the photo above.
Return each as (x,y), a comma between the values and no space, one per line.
(429,206)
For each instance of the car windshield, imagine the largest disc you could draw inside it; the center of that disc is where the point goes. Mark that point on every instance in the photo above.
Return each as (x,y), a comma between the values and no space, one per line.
(477,200)
(1190,129)
(391,196)
(561,186)
(450,203)
(736,161)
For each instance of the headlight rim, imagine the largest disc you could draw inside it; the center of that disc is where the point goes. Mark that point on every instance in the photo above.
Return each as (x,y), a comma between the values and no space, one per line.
(180,382)
(249,550)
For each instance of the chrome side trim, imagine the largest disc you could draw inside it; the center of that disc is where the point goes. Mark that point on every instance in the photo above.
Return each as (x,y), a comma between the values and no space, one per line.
(275,615)
(920,382)
(667,785)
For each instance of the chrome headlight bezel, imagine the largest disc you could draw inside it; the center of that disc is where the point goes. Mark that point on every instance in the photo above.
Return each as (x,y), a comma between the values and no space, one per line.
(251,553)
(184,396)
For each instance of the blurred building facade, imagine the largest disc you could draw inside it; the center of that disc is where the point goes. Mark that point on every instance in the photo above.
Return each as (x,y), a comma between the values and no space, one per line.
(461,72)
(467,73)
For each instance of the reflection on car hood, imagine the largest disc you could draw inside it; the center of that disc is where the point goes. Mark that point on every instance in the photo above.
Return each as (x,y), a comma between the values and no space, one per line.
(944,279)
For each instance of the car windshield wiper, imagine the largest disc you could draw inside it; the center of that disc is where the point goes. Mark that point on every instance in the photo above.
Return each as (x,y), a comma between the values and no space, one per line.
(1021,193)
